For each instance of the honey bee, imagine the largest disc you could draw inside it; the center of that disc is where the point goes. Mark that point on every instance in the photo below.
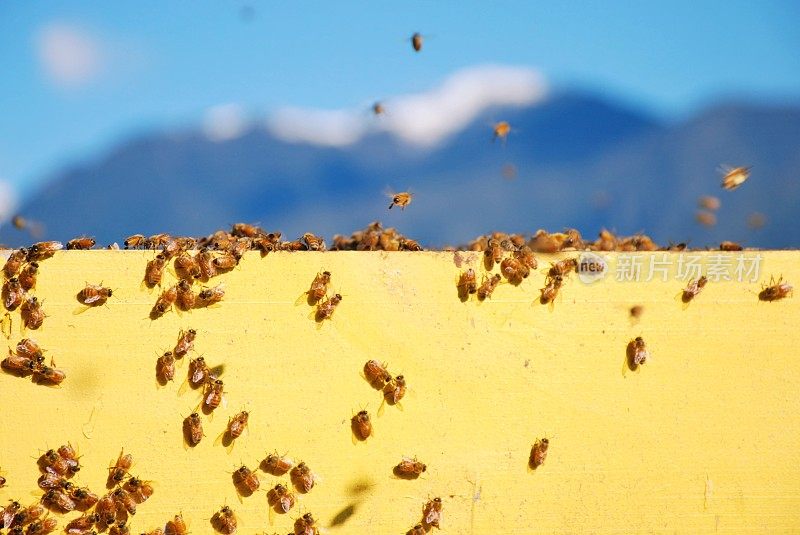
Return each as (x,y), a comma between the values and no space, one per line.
(84,498)
(409,468)
(186,298)
(187,266)
(13,294)
(402,199)
(210,296)
(394,390)
(198,372)
(19,365)
(500,131)
(432,513)
(176,526)
(637,352)
(68,453)
(606,241)
(319,287)
(361,425)
(302,478)
(48,375)
(493,252)
(53,463)
(733,177)
(707,219)
(124,500)
(212,396)
(50,480)
(205,261)
(81,243)
(407,244)
(306,525)
(94,295)
(27,515)
(119,470)
(41,527)
(326,308)
(280,498)
(57,500)
(140,491)
(224,262)
(376,374)
(165,367)
(693,288)
(563,267)
(155,270)
(7,513)
(224,521)
(730,246)
(296,245)
(238,247)
(185,343)
(135,241)
(82,524)
(106,509)
(120,528)
(467,284)
(43,250)
(756,220)
(378,109)
(488,286)
(246,481)
(775,290)
(27,277)
(160,240)
(417,530)
(193,429)
(314,243)
(237,424)
(550,290)
(514,270)
(276,465)
(416,41)
(709,202)
(538,453)
(14,262)
(525,255)
(243,230)
(164,302)
(29,348)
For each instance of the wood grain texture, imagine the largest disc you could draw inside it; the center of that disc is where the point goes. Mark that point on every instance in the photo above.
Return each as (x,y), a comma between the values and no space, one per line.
(702,439)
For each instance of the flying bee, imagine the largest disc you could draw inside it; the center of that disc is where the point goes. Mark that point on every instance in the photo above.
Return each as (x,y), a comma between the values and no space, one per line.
(514,270)
(314,243)
(94,295)
(730,246)
(378,109)
(488,286)
(155,270)
(176,526)
(83,242)
(225,261)
(212,397)
(525,255)
(709,202)
(277,465)
(538,453)
(27,277)
(185,343)
(18,365)
(124,500)
(302,478)
(185,297)
(237,424)
(107,510)
(119,470)
(42,527)
(165,367)
(139,490)
(416,41)
(319,287)
(14,262)
(432,513)
(409,468)
(326,308)
(306,525)
(82,524)
(187,266)
(199,372)
(402,199)
(775,290)
(707,219)
(225,521)
(563,267)
(48,375)
(637,352)
(57,500)
(13,293)
(135,241)
(281,499)
(43,249)
(733,177)
(394,390)
(549,293)
(193,429)
(84,498)
(210,296)
(361,425)
(376,374)
(245,480)
(466,284)
(693,288)
(500,131)
(165,301)
(68,453)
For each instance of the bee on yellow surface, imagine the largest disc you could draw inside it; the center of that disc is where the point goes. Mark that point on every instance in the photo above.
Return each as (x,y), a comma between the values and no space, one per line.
(165,367)
(193,429)
(94,295)
(637,352)
(237,424)
(538,453)
(409,468)
(302,478)
(27,277)
(119,470)
(306,525)
(376,374)
(319,286)
(281,499)
(277,465)
(185,297)
(326,308)
(185,343)
(176,526)
(733,177)
(212,397)
(155,270)
(13,293)
(139,490)
(693,288)
(209,296)
(14,262)
(401,199)
(361,425)
(432,513)
(549,293)
(225,521)
(83,242)
(165,301)
(246,481)
(775,290)
(394,390)
(467,284)
(32,313)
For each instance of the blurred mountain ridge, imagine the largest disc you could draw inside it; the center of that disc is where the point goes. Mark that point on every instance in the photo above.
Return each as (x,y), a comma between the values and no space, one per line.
(578,160)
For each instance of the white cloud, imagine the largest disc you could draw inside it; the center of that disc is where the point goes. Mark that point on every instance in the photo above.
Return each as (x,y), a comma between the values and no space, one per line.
(69,56)
(424,119)
(224,122)
(8,200)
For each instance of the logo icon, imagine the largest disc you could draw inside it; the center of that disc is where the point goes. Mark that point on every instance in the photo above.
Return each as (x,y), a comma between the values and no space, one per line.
(591,267)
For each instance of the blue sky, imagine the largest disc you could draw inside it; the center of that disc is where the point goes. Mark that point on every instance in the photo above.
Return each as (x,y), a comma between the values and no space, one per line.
(81,76)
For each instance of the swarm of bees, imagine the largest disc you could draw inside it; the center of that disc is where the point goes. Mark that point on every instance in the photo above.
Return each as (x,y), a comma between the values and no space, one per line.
(21,271)
(375,238)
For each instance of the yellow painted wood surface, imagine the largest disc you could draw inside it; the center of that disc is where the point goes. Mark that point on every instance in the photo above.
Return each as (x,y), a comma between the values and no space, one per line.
(703,438)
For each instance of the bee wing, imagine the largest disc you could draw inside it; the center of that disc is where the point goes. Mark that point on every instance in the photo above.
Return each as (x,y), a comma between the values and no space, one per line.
(92,299)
